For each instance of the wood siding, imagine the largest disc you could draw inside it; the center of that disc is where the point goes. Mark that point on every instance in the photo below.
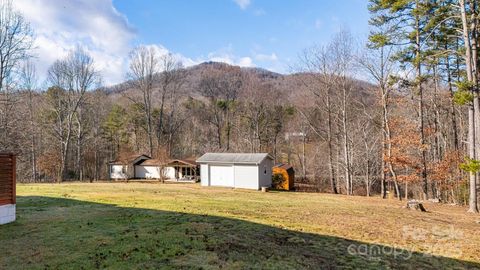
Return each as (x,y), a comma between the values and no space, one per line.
(7,179)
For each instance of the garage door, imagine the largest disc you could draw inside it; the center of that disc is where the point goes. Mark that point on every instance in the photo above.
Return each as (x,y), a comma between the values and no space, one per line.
(221,176)
(140,172)
(147,172)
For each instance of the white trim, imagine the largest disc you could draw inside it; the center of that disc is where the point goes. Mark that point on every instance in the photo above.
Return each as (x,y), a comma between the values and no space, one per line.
(7,213)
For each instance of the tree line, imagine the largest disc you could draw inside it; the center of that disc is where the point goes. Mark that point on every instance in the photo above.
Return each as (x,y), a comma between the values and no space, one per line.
(433,141)
(398,117)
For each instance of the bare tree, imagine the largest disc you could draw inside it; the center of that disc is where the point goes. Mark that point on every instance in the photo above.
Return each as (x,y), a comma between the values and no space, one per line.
(319,62)
(222,89)
(28,77)
(16,41)
(144,65)
(342,51)
(171,80)
(379,67)
(98,109)
(72,77)
(255,112)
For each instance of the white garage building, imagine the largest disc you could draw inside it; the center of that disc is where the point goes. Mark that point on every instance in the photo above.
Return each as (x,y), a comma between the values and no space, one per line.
(238,170)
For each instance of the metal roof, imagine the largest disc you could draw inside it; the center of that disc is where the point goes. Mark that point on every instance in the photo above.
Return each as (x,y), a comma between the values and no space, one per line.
(151,162)
(283,166)
(128,159)
(246,158)
(190,162)
(157,162)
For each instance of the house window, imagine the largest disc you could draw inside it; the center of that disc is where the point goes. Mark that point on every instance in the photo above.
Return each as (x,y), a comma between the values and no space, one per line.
(265,169)
(124,169)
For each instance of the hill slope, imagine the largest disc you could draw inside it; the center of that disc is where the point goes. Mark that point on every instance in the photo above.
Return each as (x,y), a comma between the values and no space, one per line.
(290,86)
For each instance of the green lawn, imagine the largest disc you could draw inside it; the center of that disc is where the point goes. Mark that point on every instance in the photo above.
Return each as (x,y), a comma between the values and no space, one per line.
(152,225)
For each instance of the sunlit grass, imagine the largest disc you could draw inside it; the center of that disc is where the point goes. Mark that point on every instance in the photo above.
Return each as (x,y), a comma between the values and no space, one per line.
(143,225)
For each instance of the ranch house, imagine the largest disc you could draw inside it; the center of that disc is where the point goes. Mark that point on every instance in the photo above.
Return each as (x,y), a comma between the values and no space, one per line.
(144,167)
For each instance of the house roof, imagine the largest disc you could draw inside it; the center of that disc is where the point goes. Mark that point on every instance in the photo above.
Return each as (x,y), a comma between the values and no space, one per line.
(151,162)
(284,166)
(157,162)
(128,159)
(183,161)
(248,158)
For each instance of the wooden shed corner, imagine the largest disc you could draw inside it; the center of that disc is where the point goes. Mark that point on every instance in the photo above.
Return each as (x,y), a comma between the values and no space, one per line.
(283,177)
(7,188)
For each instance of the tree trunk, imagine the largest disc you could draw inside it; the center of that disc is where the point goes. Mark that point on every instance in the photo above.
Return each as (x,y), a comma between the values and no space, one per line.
(418,68)
(79,145)
(304,165)
(33,145)
(160,120)
(473,207)
(406,190)
(346,151)
(453,117)
(472,203)
(66,149)
(333,181)
(149,130)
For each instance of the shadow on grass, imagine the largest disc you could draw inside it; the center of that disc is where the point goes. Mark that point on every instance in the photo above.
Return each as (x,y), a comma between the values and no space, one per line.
(56,233)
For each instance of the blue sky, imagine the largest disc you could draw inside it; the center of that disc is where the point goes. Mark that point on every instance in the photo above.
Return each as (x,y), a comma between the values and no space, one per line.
(263,33)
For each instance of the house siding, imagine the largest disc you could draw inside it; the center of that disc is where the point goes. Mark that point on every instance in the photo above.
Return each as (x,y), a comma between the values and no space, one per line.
(116,172)
(204,175)
(265,179)
(147,172)
(168,172)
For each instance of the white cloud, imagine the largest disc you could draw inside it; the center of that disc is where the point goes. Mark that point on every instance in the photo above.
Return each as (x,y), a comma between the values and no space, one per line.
(266,57)
(243,4)
(227,55)
(160,51)
(95,25)
(104,33)
(245,62)
(224,55)
(228,59)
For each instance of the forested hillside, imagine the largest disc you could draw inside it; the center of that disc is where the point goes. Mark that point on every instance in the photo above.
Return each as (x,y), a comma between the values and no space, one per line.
(398,116)
(208,107)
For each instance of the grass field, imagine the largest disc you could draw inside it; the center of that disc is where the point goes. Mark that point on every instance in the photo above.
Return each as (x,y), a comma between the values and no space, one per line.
(151,226)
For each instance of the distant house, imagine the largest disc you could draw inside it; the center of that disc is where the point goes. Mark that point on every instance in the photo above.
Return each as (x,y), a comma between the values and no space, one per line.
(283,176)
(294,135)
(238,170)
(124,166)
(144,167)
